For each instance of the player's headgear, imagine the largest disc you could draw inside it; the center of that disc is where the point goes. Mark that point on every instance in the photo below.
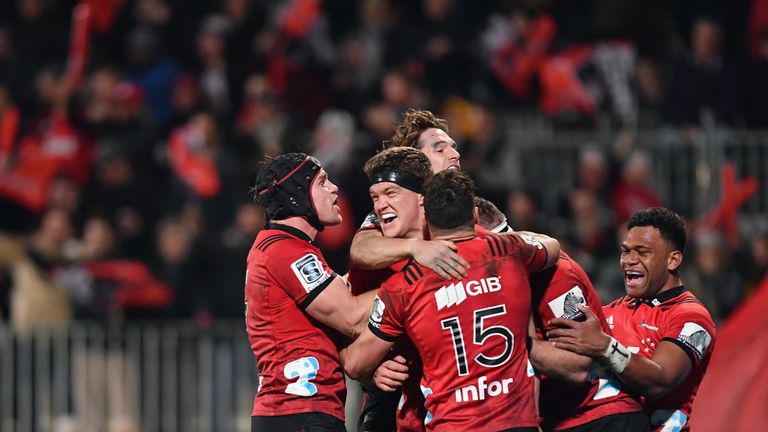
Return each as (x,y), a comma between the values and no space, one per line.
(283,187)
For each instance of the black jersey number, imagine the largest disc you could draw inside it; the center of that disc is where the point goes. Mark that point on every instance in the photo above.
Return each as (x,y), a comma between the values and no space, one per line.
(480,335)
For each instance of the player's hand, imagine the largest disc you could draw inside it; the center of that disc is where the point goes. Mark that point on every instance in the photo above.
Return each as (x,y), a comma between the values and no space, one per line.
(391,374)
(441,256)
(586,337)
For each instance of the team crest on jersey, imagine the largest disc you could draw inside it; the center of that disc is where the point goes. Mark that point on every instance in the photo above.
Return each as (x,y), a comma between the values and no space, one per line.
(370,221)
(695,337)
(377,313)
(310,272)
(565,305)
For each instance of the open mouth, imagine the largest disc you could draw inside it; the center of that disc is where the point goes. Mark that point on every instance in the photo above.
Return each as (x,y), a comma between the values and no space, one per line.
(633,278)
(388,218)
(453,167)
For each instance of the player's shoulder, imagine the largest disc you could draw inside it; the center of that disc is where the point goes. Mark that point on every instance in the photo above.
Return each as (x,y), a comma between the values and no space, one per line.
(411,272)
(277,246)
(501,244)
(688,305)
(619,303)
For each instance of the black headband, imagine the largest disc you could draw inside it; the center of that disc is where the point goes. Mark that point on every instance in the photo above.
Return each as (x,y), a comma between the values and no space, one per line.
(400,178)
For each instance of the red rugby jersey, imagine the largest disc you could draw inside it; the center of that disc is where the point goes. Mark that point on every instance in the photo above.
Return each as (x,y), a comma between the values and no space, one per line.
(469,333)
(556,292)
(410,409)
(677,316)
(297,356)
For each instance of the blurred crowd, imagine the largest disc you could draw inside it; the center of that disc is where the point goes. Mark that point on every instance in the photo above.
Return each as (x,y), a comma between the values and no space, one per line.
(128,145)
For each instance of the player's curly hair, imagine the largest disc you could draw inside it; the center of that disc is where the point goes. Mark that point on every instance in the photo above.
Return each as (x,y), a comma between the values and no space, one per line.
(449,200)
(671,226)
(399,159)
(413,124)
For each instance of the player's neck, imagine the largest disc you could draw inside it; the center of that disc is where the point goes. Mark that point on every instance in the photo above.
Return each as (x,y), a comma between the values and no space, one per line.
(452,235)
(672,282)
(300,224)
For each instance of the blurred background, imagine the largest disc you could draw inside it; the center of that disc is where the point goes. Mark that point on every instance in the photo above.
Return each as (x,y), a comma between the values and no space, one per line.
(131,132)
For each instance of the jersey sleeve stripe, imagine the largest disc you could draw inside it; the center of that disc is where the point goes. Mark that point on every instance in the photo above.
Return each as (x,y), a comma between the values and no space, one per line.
(269,241)
(490,246)
(316,292)
(418,270)
(504,242)
(684,347)
(380,334)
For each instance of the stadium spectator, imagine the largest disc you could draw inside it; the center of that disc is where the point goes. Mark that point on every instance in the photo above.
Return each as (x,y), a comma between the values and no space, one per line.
(704,84)
(663,336)
(449,209)
(295,304)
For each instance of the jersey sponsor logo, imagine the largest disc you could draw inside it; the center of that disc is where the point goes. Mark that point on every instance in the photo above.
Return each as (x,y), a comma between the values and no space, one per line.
(310,272)
(483,389)
(695,337)
(377,312)
(454,294)
(648,326)
(304,369)
(672,421)
(531,241)
(565,305)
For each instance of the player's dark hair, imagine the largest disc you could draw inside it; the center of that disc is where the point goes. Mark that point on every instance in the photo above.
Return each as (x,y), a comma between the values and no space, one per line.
(489,216)
(413,124)
(449,200)
(670,225)
(404,160)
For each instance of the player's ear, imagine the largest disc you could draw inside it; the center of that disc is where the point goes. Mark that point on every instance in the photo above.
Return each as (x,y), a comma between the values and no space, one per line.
(674,259)
(421,200)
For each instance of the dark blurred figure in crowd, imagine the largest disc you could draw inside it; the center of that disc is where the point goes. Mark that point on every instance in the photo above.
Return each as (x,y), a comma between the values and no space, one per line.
(704,83)
(124,197)
(524,212)
(713,274)
(224,290)
(756,89)
(151,70)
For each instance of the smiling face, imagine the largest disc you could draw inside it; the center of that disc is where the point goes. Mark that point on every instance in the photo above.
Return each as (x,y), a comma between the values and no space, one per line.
(648,262)
(324,196)
(400,211)
(440,149)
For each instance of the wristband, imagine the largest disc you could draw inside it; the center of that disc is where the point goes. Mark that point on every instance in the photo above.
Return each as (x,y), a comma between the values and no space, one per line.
(616,356)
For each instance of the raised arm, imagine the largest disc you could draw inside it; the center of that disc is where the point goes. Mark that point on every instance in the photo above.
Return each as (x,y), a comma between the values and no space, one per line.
(371,250)
(337,308)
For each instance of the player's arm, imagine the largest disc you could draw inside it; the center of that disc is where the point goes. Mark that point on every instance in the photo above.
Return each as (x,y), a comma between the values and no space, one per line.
(653,378)
(337,308)
(362,357)
(551,245)
(371,250)
(557,363)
